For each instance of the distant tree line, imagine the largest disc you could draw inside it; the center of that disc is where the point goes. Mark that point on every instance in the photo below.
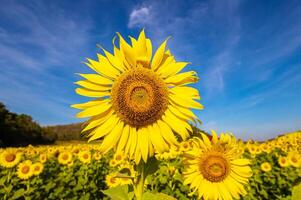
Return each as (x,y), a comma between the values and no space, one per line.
(21,130)
(67,132)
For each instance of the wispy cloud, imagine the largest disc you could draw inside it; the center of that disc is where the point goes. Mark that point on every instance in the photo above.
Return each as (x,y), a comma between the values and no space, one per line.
(140,17)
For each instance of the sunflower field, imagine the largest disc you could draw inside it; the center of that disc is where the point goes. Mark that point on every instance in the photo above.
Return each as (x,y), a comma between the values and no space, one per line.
(80,171)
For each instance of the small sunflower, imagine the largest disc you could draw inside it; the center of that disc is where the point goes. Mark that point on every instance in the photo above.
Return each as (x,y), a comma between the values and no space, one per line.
(43,157)
(283,161)
(65,157)
(37,168)
(97,156)
(9,158)
(25,170)
(112,180)
(113,163)
(84,156)
(119,157)
(294,159)
(127,174)
(141,99)
(266,167)
(215,168)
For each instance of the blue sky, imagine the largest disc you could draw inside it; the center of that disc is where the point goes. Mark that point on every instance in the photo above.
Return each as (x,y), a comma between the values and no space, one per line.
(247,55)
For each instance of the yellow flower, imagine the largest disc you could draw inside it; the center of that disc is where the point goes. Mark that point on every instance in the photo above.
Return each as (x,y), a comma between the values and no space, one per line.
(283,161)
(84,156)
(25,170)
(141,99)
(215,168)
(65,157)
(252,149)
(37,168)
(184,146)
(111,180)
(265,148)
(119,157)
(97,156)
(294,159)
(127,173)
(43,158)
(113,163)
(9,158)
(266,167)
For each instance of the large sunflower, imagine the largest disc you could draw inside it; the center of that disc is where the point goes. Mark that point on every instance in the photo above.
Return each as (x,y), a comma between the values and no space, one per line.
(215,168)
(140,99)
(9,158)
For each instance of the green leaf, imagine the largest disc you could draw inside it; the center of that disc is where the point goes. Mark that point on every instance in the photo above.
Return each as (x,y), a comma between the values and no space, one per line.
(118,193)
(2,180)
(296,193)
(157,196)
(18,193)
(151,166)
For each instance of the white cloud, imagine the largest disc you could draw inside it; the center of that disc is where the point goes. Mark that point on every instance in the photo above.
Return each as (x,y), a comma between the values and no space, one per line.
(139,17)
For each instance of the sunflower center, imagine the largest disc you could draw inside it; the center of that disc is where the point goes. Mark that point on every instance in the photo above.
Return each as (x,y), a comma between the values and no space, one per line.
(37,168)
(139,97)
(214,168)
(85,156)
(65,157)
(25,169)
(10,157)
(294,160)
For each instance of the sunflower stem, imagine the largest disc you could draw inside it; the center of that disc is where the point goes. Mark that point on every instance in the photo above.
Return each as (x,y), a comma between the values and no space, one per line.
(139,186)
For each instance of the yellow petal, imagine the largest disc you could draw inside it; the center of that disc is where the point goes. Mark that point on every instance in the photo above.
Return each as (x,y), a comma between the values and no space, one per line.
(95,78)
(123,139)
(104,129)
(156,132)
(88,104)
(187,92)
(112,138)
(143,142)
(101,68)
(167,133)
(176,124)
(91,93)
(158,56)
(94,110)
(172,69)
(177,113)
(149,49)
(133,141)
(182,78)
(184,102)
(98,120)
(92,86)
(127,50)
(114,61)
(107,65)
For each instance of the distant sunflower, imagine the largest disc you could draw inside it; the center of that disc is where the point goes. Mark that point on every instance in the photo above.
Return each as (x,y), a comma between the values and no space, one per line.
(25,170)
(215,168)
(84,156)
(266,167)
(65,157)
(140,99)
(283,161)
(97,156)
(43,158)
(294,159)
(9,158)
(112,180)
(37,168)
